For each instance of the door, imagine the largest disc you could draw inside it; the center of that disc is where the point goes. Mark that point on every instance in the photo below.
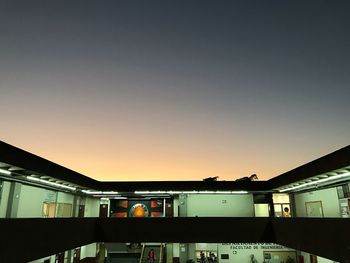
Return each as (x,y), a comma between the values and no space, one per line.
(76,255)
(59,258)
(81,211)
(103,210)
(169,211)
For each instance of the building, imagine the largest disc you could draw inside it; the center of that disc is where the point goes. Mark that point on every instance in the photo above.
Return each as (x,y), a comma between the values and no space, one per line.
(52,214)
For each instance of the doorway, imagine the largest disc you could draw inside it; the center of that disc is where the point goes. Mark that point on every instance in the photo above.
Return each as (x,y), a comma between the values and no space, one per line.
(103,210)
(59,258)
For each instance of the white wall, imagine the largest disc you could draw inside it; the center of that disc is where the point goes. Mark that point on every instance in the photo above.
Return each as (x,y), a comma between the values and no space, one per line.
(92,207)
(240,252)
(329,198)
(88,251)
(176,206)
(169,253)
(31,201)
(191,251)
(261,210)
(4,198)
(65,198)
(220,205)
(176,249)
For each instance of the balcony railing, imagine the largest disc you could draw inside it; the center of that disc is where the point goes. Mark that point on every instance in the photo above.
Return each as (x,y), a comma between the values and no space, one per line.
(28,239)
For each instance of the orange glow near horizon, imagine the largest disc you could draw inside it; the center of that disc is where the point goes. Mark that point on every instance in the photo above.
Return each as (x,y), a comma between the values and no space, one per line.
(111,164)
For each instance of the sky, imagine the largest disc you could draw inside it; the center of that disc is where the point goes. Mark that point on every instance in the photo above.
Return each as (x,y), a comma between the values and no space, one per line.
(175,90)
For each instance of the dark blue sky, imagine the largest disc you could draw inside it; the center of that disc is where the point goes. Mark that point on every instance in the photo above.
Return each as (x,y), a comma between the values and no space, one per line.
(175,89)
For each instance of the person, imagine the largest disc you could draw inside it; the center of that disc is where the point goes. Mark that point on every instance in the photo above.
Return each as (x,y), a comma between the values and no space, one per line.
(202,257)
(253,259)
(151,256)
(286,212)
(289,260)
(212,258)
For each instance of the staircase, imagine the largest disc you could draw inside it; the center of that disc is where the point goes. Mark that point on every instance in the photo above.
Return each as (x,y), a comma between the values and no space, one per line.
(158,251)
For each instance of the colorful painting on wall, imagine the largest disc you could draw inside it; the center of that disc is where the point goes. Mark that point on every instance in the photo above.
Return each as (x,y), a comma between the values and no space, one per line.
(137,208)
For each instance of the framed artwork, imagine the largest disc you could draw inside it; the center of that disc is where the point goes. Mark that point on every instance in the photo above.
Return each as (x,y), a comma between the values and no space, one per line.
(137,207)
(314,209)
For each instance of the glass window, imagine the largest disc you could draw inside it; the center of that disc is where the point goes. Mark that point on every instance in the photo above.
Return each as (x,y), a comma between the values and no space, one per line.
(281,198)
(340,192)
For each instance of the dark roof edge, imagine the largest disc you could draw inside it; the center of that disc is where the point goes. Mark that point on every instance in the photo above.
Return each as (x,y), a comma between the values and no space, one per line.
(17,157)
(130,186)
(332,161)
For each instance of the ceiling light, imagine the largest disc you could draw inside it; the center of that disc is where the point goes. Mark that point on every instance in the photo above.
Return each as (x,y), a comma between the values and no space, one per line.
(316,182)
(239,192)
(150,192)
(190,192)
(5,172)
(141,192)
(91,192)
(223,192)
(51,183)
(110,193)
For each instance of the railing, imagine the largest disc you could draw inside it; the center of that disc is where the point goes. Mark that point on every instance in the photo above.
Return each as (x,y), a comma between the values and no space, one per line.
(161,253)
(23,240)
(142,252)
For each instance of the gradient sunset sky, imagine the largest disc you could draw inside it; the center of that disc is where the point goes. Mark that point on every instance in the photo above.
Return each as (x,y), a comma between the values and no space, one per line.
(175,90)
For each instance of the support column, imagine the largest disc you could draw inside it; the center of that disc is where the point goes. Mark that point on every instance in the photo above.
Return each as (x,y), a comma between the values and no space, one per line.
(183,252)
(13,200)
(183,205)
(272,207)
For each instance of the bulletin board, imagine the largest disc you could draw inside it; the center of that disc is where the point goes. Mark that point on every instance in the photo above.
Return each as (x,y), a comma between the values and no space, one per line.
(280,256)
(314,209)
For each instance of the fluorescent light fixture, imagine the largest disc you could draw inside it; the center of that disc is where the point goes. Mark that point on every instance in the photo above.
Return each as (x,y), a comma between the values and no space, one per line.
(142,192)
(92,192)
(51,183)
(110,193)
(190,192)
(173,192)
(150,192)
(239,192)
(316,182)
(89,192)
(5,172)
(105,196)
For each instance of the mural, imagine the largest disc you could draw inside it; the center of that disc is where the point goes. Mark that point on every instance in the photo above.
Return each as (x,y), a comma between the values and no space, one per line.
(137,208)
